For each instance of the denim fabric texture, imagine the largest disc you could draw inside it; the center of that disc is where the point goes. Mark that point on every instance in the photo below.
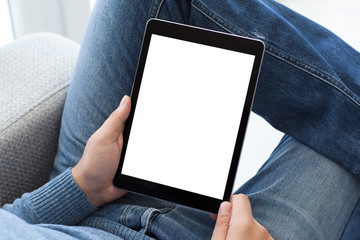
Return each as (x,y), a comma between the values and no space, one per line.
(308,88)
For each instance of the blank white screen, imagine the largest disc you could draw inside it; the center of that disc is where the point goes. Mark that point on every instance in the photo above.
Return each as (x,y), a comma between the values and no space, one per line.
(187,115)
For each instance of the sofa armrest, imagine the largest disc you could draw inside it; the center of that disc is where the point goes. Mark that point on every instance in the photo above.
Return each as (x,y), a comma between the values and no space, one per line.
(35,72)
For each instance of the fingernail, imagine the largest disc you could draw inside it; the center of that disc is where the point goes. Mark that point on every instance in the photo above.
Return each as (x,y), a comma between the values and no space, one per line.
(123,100)
(225,208)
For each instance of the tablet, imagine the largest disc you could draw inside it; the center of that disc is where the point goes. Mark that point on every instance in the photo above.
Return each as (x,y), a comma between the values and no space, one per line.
(191,101)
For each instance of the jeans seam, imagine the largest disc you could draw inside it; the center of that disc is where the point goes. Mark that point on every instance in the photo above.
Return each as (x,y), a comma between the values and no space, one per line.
(155,9)
(157,213)
(312,70)
(315,72)
(217,19)
(126,212)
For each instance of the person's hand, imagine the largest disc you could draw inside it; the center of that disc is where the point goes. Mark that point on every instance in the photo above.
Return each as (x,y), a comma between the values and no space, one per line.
(95,171)
(235,221)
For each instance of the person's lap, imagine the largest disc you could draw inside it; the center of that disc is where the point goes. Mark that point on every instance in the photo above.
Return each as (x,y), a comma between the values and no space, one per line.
(298,191)
(299,194)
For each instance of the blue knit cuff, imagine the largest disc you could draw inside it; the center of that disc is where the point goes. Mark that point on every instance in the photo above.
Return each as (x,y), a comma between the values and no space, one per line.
(61,201)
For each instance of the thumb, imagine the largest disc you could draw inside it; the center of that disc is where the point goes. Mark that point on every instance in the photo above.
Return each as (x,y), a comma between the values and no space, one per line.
(114,125)
(222,222)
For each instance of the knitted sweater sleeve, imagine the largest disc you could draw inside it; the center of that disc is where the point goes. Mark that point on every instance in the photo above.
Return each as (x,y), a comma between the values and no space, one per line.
(60,201)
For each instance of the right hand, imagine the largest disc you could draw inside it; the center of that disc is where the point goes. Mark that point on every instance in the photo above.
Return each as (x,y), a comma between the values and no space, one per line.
(235,221)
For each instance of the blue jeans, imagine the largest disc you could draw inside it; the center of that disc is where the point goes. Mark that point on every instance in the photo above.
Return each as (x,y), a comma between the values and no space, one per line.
(308,88)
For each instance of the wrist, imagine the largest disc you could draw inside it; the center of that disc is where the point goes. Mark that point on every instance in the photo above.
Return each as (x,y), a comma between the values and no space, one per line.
(80,180)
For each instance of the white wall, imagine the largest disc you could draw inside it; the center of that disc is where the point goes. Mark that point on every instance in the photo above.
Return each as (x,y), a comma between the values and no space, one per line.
(65,17)
(6,31)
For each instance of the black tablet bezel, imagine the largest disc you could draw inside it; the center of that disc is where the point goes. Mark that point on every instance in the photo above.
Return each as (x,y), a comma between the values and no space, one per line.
(210,38)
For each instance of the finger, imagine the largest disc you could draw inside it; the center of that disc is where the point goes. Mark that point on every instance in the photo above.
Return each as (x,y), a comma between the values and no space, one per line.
(222,222)
(241,216)
(241,206)
(114,125)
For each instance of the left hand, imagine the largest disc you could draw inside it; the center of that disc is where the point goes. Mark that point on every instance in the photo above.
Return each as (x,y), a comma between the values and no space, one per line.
(95,171)
(235,221)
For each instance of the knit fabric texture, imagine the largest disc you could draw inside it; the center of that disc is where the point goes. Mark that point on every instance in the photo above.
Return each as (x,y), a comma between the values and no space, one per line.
(60,210)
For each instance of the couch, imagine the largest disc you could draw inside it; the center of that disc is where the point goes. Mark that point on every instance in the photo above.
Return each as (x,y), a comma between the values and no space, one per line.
(35,72)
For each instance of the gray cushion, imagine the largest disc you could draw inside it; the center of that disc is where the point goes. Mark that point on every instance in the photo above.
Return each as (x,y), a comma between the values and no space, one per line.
(35,72)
